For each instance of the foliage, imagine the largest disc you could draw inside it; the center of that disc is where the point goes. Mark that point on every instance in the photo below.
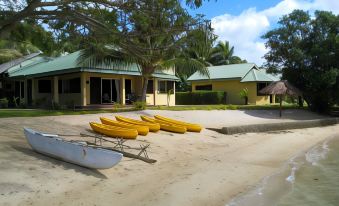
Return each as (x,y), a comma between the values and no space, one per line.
(222,54)
(244,95)
(149,34)
(200,98)
(139,105)
(305,51)
(4,103)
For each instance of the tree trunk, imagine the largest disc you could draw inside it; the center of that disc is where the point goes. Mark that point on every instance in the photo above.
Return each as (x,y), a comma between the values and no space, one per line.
(144,89)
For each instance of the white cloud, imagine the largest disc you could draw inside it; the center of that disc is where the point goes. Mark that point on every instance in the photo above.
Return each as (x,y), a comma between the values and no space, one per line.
(244,31)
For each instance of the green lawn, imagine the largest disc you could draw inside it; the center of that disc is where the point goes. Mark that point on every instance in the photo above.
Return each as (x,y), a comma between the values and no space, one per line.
(41,112)
(224,107)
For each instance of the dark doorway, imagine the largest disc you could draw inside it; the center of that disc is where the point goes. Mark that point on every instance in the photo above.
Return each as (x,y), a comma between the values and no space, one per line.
(29,92)
(128,86)
(114,91)
(95,90)
(106,91)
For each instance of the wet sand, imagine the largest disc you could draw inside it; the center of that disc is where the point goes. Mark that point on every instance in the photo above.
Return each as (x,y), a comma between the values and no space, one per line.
(205,168)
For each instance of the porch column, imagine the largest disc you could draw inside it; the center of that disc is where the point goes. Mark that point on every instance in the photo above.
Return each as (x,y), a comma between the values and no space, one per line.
(155,91)
(273,99)
(122,91)
(83,79)
(55,89)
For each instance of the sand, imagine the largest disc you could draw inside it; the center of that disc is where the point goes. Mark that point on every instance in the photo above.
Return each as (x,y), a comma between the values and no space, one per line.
(192,169)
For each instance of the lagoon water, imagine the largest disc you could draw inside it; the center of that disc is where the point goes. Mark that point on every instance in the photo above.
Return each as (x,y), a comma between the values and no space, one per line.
(309,179)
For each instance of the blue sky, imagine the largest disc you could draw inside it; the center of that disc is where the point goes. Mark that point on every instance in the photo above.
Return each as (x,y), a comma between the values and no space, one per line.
(243,22)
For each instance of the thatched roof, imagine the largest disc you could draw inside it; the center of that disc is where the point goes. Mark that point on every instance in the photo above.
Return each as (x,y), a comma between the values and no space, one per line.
(282,87)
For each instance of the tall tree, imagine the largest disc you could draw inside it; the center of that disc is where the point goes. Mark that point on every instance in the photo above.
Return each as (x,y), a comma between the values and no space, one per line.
(305,51)
(149,33)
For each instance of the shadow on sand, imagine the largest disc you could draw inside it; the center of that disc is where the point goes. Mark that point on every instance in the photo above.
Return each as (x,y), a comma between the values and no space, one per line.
(65,165)
(292,114)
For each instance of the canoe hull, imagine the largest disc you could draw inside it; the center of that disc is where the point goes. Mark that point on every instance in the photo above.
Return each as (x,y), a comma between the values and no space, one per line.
(142,130)
(153,127)
(72,152)
(112,131)
(190,127)
(165,125)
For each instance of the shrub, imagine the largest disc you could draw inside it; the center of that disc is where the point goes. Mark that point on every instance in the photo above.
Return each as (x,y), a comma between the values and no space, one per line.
(139,105)
(4,103)
(200,98)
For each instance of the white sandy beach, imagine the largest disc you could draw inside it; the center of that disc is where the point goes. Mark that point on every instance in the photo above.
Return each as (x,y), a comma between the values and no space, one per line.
(205,168)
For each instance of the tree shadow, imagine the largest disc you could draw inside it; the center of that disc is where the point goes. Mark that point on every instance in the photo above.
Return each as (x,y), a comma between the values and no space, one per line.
(57,162)
(287,114)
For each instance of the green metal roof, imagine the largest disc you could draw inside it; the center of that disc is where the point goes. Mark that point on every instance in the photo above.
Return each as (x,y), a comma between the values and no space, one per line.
(68,64)
(247,72)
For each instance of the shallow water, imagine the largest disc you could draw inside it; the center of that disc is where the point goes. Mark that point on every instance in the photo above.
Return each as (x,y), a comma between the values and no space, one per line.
(311,179)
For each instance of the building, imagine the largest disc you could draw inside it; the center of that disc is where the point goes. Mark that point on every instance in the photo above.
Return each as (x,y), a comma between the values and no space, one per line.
(63,81)
(232,79)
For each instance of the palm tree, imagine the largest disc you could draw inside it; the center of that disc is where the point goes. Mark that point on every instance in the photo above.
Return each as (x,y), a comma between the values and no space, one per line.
(223,54)
(150,34)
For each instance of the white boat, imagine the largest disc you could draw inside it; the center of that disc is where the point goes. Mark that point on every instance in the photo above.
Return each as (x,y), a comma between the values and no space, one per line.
(74,152)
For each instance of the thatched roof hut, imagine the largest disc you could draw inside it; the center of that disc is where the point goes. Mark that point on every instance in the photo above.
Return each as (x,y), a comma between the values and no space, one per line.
(281,88)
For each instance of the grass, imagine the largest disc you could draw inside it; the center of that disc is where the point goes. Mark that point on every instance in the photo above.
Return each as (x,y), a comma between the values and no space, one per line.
(42,112)
(224,107)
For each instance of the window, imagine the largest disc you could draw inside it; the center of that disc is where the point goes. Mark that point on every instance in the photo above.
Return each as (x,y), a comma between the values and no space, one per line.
(69,86)
(165,86)
(260,86)
(162,87)
(45,86)
(150,87)
(0,84)
(207,87)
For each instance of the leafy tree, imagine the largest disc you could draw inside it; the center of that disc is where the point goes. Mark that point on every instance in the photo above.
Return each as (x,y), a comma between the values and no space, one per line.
(76,11)
(222,54)
(305,51)
(150,34)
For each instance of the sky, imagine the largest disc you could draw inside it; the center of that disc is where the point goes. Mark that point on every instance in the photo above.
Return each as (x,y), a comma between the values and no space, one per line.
(243,22)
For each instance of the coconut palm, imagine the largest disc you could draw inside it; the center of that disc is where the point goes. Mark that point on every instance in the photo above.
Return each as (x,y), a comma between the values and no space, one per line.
(223,54)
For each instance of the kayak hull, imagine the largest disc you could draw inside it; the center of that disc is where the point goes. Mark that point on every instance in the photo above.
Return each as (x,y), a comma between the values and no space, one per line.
(166,126)
(72,152)
(190,127)
(142,130)
(112,131)
(153,127)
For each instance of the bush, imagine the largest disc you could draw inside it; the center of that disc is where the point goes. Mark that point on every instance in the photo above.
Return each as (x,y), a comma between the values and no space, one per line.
(4,103)
(200,98)
(139,105)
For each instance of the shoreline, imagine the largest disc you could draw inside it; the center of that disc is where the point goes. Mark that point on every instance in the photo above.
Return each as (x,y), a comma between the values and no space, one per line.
(270,189)
(206,168)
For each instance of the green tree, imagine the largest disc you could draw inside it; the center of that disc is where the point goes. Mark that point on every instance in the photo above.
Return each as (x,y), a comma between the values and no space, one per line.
(150,34)
(305,51)
(223,54)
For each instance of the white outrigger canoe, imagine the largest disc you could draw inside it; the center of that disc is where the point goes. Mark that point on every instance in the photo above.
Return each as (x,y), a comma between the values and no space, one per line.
(74,152)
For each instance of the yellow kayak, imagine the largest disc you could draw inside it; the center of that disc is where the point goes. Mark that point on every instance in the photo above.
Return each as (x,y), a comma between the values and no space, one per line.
(190,127)
(113,131)
(142,130)
(165,125)
(153,127)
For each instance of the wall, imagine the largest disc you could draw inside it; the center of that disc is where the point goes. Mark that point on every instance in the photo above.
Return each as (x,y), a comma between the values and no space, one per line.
(233,88)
